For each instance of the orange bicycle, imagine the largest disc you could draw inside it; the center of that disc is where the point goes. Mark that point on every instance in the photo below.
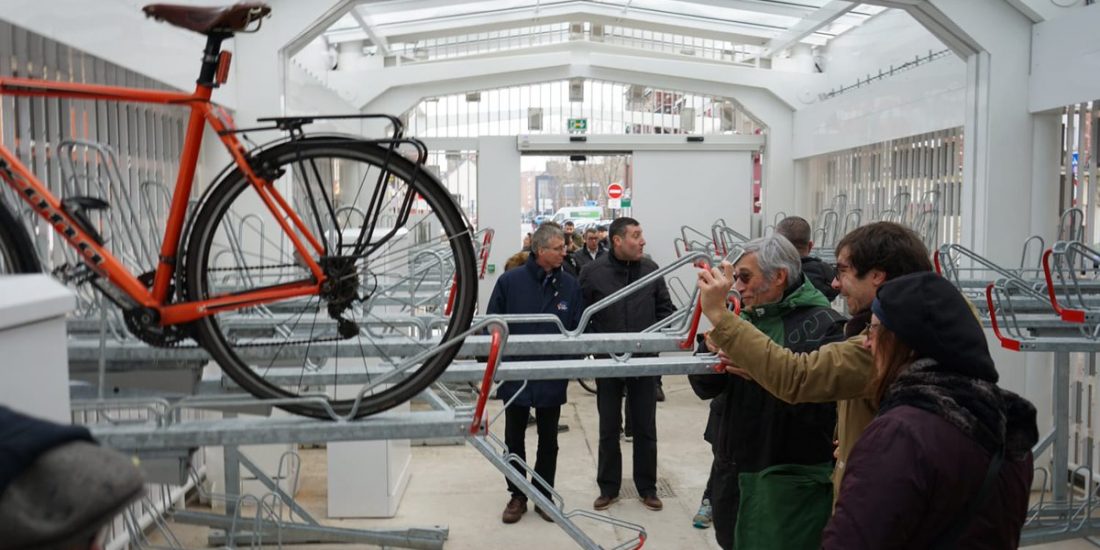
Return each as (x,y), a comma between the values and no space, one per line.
(324,255)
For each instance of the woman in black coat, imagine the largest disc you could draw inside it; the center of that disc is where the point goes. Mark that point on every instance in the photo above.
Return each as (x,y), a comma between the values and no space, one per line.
(947,462)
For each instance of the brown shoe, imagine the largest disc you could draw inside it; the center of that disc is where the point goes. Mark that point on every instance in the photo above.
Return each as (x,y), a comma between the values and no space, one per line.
(543,515)
(604,502)
(653,503)
(514,510)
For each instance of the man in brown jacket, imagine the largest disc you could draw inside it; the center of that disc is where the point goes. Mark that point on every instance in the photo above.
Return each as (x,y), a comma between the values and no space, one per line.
(866,258)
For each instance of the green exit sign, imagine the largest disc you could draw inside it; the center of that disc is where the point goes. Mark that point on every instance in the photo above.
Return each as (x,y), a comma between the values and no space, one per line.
(579,125)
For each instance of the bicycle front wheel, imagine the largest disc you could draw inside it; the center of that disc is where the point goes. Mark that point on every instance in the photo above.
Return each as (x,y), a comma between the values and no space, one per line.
(400,270)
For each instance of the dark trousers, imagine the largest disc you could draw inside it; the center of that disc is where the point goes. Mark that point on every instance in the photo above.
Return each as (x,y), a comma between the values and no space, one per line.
(725,499)
(546,457)
(642,410)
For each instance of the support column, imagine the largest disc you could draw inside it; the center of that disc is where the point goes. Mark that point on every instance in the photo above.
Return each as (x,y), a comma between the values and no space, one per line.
(498,204)
(998,156)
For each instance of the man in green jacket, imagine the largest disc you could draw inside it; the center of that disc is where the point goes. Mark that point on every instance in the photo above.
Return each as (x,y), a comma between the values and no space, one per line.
(866,258)
(773,460)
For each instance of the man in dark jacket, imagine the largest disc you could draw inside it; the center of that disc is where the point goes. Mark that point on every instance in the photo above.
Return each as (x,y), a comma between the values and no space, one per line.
(797,230)
(540,286)
(591,251)
(624,264)
(778,454)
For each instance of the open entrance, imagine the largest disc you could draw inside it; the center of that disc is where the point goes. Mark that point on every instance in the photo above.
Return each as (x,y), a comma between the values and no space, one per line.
(587,189)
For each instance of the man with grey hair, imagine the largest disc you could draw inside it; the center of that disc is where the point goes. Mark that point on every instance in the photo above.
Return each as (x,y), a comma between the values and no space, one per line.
(771,479)
(798,231)
(539,286)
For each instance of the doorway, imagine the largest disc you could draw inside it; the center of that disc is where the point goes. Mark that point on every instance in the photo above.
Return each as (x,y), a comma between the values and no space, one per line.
(587,189)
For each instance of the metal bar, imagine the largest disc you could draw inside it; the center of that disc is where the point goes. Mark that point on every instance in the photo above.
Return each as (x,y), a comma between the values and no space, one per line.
(1060,403)
(296,533)
(252,431)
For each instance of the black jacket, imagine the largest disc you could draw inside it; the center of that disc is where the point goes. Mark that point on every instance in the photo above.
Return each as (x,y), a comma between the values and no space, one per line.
(582,258)
(530,289)
(606,275)
(821,275)
(759,430)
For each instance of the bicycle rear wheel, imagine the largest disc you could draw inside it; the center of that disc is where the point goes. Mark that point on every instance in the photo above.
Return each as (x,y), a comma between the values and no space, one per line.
(16,250)
(396,251)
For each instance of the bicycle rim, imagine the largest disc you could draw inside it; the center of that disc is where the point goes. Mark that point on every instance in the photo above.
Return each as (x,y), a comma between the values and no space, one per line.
(389,304)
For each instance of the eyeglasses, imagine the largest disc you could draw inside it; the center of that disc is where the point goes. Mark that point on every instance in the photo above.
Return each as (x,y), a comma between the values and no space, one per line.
(874,329)
(744,277)
(842,268)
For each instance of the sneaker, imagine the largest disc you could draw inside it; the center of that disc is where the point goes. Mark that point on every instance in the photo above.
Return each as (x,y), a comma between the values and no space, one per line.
(562,428)
(704,516)
(604,502)
(514,510)
(653,503)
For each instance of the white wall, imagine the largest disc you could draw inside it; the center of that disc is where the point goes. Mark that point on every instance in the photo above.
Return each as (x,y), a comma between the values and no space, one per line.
(498,204)
(1065,60)
(119,32)
(928,98)
(667,195)
(892,37)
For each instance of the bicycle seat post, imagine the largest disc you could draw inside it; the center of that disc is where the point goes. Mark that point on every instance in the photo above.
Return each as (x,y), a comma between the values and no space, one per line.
(208,76)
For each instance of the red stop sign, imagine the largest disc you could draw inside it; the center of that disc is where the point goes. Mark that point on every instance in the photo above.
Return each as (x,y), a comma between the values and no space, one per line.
(614,191)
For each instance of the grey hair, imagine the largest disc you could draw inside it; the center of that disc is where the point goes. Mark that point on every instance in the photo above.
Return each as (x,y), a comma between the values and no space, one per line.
(773,253)
(543,235)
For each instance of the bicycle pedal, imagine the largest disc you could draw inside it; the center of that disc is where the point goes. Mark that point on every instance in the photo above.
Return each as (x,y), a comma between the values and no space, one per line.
(74,274)
(76,207)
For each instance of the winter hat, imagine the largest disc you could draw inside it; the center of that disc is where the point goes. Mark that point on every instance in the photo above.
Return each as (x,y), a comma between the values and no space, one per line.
(929,314)
(66,496)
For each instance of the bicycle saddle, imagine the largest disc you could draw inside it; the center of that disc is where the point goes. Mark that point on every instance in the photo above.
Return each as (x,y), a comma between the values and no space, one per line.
(206,20)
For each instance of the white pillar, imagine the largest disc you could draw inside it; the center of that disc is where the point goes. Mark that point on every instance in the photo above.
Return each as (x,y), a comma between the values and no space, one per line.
(998,166)
(498,204)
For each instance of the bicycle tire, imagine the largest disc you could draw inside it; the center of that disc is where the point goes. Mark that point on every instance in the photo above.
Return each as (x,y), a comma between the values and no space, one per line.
(17,254)
(332,161)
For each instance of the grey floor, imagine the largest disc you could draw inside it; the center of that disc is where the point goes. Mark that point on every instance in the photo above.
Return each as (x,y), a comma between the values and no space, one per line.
(455,486)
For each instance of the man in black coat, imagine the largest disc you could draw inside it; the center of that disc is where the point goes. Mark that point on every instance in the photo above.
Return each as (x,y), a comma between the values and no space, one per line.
(623,265)
(539,286)
(821,275)
(592,249)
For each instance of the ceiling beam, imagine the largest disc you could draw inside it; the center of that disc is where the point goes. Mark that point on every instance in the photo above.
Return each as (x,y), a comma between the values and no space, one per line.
(810,24)
(636,17)
(375,37)
(938,23)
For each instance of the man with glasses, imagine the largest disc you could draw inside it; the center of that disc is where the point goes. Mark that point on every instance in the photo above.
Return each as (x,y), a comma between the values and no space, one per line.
(866,258)
(539,286)
(770,481)
(591,250)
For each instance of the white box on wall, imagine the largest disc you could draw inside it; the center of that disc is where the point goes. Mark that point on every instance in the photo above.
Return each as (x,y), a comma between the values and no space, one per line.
(32,335)
(367,479)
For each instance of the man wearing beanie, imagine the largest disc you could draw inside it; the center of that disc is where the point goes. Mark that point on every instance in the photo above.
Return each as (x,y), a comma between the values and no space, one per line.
(945,434)
(866,258)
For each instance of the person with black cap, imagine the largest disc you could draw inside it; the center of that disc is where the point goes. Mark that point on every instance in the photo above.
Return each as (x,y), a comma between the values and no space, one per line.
(947,461)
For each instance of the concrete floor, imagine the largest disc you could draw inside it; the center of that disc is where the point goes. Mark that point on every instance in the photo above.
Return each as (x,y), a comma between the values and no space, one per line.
(456,487)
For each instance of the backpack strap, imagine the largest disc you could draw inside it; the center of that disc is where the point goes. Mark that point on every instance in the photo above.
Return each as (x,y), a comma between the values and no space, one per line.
(950,538)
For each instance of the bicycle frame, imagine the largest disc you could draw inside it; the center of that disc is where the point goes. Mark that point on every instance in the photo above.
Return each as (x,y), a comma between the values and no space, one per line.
(103,263)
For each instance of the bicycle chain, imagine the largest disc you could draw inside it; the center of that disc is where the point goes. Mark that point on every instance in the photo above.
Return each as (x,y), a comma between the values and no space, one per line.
(250,268)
